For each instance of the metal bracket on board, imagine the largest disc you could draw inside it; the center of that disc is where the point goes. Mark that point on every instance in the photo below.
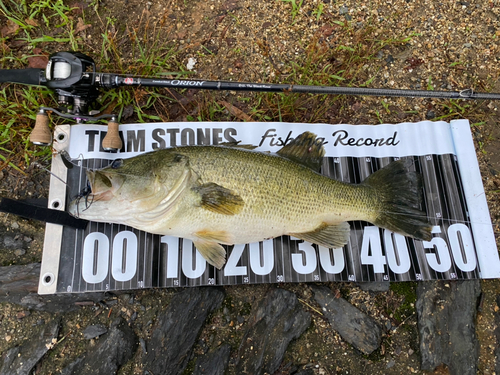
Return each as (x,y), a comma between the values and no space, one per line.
(57,198)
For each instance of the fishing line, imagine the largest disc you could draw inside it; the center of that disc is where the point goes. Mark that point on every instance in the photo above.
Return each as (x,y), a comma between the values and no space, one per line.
(433,218)
(38,165)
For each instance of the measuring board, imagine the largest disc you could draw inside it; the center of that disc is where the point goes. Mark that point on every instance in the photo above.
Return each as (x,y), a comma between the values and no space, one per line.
(106,257)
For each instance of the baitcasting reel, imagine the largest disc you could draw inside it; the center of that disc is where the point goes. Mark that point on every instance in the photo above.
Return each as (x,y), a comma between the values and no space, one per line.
(73,77)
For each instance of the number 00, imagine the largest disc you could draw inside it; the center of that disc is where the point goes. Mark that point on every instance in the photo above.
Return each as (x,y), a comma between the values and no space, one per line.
(95,262)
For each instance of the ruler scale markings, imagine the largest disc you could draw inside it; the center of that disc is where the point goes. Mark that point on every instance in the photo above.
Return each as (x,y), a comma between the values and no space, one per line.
(444,200)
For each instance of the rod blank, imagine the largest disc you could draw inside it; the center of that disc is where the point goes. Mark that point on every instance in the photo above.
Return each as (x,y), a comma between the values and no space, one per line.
(309,89)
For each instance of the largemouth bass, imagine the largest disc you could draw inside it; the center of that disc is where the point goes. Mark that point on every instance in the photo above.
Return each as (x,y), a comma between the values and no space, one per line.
(217,195)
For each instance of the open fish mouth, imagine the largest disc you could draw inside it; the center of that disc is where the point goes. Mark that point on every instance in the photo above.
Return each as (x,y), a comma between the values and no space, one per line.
(99,187)
(93,192)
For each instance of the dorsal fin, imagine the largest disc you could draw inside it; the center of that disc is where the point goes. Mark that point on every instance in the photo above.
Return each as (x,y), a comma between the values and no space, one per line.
(236,144)
(306,149)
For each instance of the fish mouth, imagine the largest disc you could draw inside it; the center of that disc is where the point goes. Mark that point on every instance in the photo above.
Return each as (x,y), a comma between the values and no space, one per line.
(99,187)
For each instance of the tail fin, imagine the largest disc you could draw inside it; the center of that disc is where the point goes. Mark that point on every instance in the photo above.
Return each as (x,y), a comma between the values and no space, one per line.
(400,193)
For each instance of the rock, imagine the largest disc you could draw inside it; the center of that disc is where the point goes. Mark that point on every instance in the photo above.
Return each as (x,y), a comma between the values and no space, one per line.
(375,286)
(22,359)
(343,10)
(273,324)
(355,327)
(19,252)
(19,279)
(446,312)
(143,345)
(115,348)
(390,364)
(177,328)
(22,314)
(72,368)
(306,371)
(19,285)
(497,335)
(94,331)
(11,242)
(214,362)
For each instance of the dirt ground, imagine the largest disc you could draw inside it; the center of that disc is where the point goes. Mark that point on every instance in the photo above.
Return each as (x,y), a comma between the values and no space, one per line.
(447,45)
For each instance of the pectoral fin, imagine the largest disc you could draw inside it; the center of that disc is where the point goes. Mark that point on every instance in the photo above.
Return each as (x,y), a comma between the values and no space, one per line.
(330,236)
(213,253)
(218,199)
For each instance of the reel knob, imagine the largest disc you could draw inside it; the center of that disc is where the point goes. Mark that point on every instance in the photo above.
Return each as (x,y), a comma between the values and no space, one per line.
(112,140)
(41,134)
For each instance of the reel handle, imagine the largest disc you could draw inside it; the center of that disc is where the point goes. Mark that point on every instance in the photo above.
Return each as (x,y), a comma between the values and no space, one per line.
(112,140)
(41,134)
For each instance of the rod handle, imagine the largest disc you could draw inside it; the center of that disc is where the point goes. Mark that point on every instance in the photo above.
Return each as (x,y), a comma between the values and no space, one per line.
(29,76)
(41,134)
(112,140)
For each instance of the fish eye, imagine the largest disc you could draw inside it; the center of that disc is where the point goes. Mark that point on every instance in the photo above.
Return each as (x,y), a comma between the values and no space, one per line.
(117,163)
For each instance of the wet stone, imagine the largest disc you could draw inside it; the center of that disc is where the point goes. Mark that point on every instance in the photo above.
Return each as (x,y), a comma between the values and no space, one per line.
(177,329)
(22,359)
(273,324)
(375,286)
(430,115)
(446,312)
(19,284)
(497,335)
(390,364)
(143,345)
(113,350)
(12,242)
(19,252)
(94,331)
(214,362)
(306,371)
(343,10)
(355,327)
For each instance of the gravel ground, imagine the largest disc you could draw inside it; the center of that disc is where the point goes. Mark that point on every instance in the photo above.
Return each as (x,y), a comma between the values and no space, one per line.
(450,45)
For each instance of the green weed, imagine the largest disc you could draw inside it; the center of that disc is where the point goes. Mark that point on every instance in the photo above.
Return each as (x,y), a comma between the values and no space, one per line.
(318,12)
(296,5)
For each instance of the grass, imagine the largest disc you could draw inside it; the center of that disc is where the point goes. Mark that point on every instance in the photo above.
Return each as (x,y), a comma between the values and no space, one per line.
(296,5)
(323,66)
(338,54)
(52,26)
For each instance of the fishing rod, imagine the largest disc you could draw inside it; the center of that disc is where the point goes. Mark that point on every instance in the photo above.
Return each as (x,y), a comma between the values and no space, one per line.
(73,76)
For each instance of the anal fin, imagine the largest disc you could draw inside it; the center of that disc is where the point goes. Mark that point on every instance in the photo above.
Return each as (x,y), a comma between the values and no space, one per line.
(213,252)
(214,235)
(329,236)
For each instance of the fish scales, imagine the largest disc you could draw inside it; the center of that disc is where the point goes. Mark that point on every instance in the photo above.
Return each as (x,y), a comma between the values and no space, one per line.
(279,196)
